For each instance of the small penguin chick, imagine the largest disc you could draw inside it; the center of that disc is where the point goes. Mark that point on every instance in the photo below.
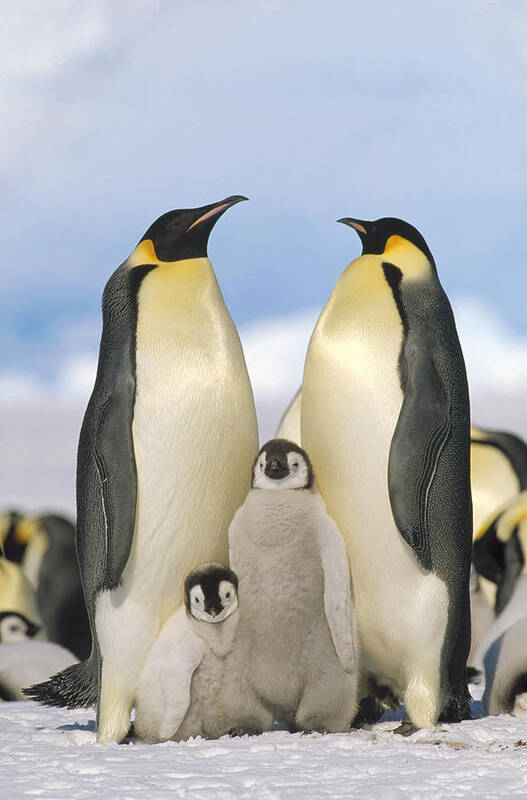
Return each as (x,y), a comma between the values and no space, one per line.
(180,689)
(211,593)
(281,464)
(15,627)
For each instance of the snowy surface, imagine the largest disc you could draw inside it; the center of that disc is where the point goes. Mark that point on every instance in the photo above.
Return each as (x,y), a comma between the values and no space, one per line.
(52,753)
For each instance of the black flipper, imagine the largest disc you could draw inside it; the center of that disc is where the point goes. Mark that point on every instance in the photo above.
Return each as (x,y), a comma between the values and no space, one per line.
(106,479)
(106,472)
(419,437)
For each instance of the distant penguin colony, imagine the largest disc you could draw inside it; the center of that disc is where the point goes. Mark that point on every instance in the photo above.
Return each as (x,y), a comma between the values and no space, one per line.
(44,546)
(385,419)
(160,472)
(313,582)
(18,604)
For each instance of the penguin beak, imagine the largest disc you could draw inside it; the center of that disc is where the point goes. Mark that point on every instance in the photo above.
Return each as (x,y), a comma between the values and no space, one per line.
(276,470)
(358,224)
(217,209)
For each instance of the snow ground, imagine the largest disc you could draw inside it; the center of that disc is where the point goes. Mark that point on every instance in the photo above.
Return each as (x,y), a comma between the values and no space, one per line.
(52,753)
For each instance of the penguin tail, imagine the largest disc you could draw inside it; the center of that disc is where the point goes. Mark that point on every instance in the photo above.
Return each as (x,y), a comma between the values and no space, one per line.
(74,687)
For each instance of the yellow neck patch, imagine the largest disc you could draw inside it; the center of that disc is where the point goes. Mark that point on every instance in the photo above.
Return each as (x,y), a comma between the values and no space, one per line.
(144,253)
(411,261)
(186,270)
(26,530)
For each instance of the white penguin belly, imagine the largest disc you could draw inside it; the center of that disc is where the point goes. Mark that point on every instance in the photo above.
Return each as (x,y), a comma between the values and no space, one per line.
(351,402)
(195,436)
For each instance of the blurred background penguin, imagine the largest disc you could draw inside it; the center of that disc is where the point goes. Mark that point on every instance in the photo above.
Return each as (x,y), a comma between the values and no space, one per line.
(44,547)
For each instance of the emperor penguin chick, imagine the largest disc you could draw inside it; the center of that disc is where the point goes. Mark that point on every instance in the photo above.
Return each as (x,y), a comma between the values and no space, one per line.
(296,640)
(180,689)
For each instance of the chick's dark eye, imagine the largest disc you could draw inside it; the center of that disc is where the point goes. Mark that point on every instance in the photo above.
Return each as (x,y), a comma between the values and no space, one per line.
(295,464)
(196,599)
(227,595)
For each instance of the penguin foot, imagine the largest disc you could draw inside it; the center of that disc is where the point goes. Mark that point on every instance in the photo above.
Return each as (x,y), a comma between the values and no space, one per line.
(384,695)
(370,711)
(406,728)
(293,728)
(457,710)
(244,732)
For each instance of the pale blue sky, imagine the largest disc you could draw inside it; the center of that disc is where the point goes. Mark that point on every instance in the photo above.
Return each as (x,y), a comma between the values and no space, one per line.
(116,112)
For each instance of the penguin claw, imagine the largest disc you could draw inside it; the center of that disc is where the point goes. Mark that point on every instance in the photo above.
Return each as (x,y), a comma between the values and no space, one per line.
(406,728)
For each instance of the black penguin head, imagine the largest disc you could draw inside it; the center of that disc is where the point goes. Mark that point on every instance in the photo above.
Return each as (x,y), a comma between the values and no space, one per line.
(211,592)
(15,627)
(282,465)
(374,235)
(184,233)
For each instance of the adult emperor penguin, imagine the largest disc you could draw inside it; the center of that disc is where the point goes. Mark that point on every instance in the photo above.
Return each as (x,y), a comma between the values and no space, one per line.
(296,641)
(181,689)
(385,418)
(164,455)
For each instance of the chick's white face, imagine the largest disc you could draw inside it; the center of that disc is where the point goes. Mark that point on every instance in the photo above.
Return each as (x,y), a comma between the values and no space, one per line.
(213,606)
(269,474)
(13,629)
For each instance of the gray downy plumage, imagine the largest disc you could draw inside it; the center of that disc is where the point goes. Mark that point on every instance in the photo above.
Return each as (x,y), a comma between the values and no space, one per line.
(181,691)
(296,638)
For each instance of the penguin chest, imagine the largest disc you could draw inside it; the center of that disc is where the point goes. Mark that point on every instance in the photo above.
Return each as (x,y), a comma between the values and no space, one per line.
(194,435)
(351,402)
(276,556)
(350,407)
